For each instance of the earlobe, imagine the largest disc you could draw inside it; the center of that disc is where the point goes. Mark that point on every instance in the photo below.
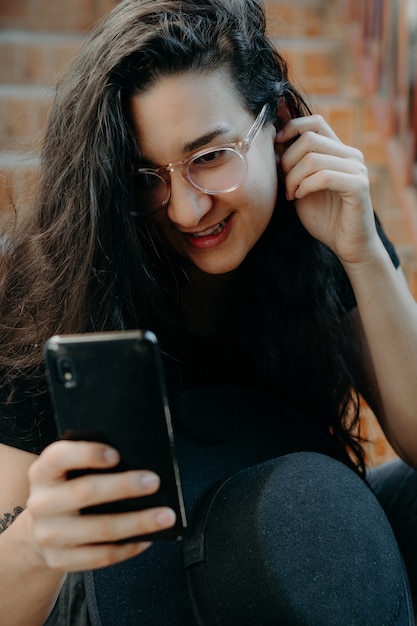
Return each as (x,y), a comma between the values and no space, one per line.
(279,150)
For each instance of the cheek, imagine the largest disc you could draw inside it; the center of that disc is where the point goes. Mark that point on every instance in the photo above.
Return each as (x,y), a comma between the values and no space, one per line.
(264,196)
(160,221)
(161,228)
(264,186)
(264,171)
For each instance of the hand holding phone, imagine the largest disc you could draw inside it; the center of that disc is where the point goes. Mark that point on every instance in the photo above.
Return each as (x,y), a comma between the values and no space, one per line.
(109,387)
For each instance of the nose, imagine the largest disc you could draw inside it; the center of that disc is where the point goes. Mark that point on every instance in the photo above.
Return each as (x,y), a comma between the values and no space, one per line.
(187,204)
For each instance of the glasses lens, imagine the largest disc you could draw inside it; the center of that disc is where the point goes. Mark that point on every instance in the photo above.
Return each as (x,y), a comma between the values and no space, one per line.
(217,170)
(151,190)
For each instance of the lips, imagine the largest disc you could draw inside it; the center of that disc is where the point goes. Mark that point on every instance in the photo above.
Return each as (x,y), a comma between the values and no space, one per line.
(211,231)
(210,237)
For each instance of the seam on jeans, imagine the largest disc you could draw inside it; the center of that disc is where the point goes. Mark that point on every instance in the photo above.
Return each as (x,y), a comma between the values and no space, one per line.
(406,599)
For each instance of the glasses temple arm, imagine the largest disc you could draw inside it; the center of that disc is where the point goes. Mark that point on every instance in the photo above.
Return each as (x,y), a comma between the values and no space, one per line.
(256,126)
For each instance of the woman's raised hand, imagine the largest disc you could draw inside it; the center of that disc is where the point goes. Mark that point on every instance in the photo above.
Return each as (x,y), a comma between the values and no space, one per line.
(329,183)
(69,541)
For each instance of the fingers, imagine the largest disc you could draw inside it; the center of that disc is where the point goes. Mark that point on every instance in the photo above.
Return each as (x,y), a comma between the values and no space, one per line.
(85,530)
(337,182)
(300,125)
(93,557)
(318,160)
(315,172)
(78,493)
(311,142)
(70,541)
(63,456)
(78,542)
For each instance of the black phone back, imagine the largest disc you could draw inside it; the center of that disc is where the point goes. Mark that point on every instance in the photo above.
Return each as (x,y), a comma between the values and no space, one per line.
(110,387)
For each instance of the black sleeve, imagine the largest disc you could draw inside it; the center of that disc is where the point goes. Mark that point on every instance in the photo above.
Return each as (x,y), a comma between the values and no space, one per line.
(26,420)
(387,243)
(345,291)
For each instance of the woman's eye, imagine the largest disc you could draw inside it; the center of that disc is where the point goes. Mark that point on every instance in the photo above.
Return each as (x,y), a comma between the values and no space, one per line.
(210,158)
(148,179)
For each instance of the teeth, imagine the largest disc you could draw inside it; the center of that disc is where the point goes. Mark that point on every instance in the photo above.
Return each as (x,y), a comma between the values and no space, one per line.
(211,231)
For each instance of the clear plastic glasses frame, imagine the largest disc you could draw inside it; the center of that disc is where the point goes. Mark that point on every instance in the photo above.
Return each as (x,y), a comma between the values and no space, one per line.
(229,160)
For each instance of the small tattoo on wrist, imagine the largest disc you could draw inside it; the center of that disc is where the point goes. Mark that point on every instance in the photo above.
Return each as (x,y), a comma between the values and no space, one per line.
(8,518)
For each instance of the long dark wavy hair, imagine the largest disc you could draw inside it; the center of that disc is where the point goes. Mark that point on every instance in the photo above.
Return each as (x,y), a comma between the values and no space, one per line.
(83,262)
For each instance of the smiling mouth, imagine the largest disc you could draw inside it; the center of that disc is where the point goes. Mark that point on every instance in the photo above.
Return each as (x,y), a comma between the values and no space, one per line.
(211,231)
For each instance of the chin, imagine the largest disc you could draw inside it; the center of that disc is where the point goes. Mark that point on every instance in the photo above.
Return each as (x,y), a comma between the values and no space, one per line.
(220,267)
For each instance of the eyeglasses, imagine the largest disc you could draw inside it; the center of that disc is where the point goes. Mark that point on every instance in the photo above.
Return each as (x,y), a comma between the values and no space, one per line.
(218,169)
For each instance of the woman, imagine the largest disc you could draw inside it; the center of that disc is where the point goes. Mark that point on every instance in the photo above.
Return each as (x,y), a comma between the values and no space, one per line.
(255,257)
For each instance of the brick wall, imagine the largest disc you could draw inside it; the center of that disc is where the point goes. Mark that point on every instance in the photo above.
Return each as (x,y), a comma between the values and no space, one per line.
(38,38)
(62,16)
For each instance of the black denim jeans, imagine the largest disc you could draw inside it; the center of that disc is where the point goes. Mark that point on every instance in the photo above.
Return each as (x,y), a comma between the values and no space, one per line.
(298,537)
(395,485)
(299,540)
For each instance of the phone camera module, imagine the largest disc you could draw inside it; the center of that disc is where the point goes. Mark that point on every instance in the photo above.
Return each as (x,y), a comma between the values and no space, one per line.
(66,371)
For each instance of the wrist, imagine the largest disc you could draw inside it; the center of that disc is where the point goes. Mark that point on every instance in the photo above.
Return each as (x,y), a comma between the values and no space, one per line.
(373,277)
(20,561)
(374,258)
(22,536)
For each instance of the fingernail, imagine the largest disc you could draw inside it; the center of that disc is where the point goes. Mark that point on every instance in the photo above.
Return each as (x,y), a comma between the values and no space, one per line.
(165,518)
(111,455)
(150,481)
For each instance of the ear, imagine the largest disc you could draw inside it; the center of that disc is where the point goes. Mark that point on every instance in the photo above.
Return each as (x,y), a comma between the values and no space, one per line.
(286,112)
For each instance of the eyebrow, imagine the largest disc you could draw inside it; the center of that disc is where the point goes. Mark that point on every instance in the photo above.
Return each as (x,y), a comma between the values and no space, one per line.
(202,141)
(190,146)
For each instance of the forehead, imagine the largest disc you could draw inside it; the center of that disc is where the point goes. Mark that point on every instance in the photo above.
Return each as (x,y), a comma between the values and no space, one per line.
(179,109)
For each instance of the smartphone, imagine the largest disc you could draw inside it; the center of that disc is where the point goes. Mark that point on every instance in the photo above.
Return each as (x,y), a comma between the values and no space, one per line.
(109,387)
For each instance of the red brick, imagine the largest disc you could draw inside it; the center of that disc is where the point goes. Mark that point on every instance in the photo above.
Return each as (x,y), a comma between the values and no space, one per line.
(6,186)
(289,20)
(102,7)
(35,58)
(18,180)
(14,13)
(62,56)
(317,64)
(24,114)
(52,15)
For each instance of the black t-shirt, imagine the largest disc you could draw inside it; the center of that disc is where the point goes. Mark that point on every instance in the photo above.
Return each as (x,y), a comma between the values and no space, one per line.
(27,423)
